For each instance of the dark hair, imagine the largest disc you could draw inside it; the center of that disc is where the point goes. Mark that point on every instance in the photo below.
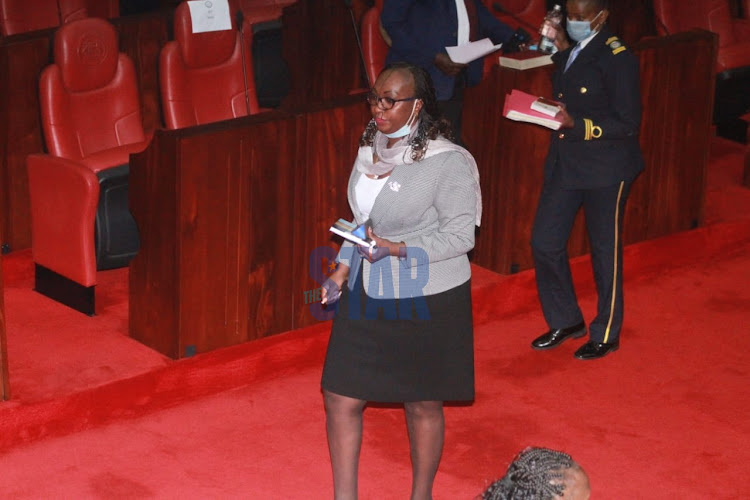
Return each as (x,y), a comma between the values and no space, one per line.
(431,122)
(535,474)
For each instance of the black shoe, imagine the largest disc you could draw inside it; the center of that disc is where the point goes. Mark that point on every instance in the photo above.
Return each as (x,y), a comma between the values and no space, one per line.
(554,338)
(594,350)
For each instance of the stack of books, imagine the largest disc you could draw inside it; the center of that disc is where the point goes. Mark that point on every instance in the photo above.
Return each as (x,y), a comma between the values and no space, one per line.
(523,107)
(525,60)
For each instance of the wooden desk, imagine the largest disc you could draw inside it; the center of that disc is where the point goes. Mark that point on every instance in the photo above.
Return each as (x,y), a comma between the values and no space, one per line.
(229,215)
(677,95)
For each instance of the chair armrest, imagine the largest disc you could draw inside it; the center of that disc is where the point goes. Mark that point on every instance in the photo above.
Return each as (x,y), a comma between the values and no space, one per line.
(113,157)
(733,56)
(263,14)
(64,196)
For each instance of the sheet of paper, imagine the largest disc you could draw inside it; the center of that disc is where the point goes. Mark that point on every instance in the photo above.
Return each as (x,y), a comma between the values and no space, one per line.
(210,15)
(471,51)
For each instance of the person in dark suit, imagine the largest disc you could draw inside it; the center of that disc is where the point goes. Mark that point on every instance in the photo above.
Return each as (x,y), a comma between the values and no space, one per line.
(421,29)
(592,162)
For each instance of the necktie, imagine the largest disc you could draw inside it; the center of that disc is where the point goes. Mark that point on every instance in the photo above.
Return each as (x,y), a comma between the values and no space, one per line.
(573,55)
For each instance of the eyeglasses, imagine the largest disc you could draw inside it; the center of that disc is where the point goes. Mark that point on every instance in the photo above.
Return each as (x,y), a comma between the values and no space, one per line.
(385,103)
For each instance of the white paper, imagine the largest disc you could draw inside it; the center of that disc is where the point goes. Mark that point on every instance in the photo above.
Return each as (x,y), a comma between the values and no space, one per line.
(471,51)
(547,109)
(210,15)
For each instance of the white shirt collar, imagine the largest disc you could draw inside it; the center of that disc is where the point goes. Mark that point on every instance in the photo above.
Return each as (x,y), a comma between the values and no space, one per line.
(462,37)
(586,40)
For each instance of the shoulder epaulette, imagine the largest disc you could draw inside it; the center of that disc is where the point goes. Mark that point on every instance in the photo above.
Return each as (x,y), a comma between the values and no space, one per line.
(615,44)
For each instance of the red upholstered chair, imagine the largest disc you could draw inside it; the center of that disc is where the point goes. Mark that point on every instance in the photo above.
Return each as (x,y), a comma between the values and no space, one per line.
(20,16)
(374,46)
(711,15)
(531,12)
(261,11)
(106,9)
(201,74)
(91,117)
(71,10)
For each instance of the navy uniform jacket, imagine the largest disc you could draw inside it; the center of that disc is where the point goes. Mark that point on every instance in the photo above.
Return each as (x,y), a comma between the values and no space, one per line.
(601,90)
(419,29)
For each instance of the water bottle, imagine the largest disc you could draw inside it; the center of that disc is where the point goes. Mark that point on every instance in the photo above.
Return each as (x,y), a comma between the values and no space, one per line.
(552,22)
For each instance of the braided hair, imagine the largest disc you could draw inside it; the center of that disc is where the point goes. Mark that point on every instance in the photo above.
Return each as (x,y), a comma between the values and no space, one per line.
(535,474)
(431,122)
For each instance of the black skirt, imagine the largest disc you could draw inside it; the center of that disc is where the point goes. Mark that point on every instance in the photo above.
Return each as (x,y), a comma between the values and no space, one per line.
(402,350)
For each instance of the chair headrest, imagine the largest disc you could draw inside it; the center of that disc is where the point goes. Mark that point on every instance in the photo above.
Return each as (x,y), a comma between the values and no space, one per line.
(200,50)
(87,53)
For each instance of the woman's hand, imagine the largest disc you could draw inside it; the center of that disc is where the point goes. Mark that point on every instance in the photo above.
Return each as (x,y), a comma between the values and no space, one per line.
(383,248)
(332,285)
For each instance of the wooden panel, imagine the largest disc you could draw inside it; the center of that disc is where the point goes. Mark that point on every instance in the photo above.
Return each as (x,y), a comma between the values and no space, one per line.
(230,215)
(214,268)
(141,38)
(22,58)
(320,49)
(330,139)
(675,135)
(153,277)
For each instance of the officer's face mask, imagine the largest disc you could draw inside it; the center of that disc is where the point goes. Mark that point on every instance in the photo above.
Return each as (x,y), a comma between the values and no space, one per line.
(580,30)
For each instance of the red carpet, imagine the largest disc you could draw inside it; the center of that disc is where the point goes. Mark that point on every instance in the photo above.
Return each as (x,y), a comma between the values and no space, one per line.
(663,418)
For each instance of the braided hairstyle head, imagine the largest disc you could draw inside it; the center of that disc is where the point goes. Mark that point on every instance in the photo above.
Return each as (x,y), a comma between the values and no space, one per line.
(431,123)
(535,474)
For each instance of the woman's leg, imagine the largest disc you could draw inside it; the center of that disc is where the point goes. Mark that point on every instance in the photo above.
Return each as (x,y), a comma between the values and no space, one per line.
(426,426)
(344,430)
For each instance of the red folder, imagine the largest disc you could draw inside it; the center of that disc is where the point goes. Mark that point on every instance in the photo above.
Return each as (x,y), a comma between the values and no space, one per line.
(518,107)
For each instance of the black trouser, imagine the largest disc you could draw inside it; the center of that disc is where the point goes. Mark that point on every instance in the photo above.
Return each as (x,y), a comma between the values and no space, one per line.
(452,109)
(556,212)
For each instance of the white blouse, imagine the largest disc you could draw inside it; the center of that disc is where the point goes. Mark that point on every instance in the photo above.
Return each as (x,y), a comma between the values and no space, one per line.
(365,192)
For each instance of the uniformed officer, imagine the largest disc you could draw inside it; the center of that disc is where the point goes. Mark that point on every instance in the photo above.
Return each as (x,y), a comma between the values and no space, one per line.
(592,162)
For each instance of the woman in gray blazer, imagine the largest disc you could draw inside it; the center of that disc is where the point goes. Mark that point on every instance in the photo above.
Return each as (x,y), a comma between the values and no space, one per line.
(403,329)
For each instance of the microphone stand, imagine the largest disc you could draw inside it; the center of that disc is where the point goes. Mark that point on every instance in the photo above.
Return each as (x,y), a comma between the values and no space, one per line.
(240,19)
(359,43)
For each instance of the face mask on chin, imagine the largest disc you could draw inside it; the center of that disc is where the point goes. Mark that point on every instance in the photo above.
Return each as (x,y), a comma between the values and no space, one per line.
(580,30)
(406,128)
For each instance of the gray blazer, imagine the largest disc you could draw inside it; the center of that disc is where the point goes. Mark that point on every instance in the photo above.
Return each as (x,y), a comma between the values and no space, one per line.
(431,206)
